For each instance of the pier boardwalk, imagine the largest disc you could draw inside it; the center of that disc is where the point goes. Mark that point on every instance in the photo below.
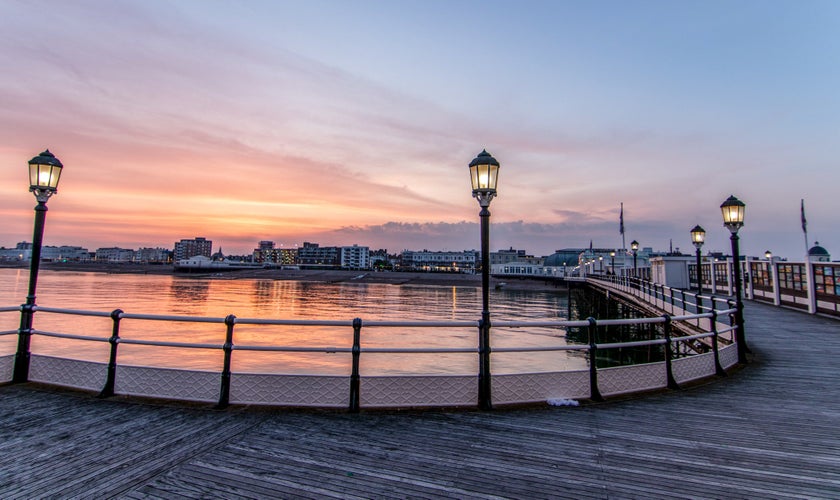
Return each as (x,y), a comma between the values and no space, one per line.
(771,430)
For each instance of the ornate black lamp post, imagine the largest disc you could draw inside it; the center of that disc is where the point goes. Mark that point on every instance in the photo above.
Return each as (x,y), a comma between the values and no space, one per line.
(612,262)
(698,236)
(601,264)
(634,246)
(484,172)
(733,218)
(768,255)
(44,173)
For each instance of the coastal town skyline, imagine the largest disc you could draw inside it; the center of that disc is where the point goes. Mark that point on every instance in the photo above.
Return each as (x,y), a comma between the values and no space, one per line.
(338,123)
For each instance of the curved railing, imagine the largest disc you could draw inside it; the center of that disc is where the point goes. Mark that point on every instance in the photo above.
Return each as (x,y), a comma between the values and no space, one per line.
(354,391)
(674,301)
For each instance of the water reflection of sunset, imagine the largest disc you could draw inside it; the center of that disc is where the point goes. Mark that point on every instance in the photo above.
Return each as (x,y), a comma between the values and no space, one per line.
(287,300)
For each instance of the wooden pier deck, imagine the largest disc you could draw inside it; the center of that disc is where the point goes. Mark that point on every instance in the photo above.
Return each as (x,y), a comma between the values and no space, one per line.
(771,430)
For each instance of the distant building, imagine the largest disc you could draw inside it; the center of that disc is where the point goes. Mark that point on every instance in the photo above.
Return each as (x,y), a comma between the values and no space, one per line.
(21,252)
(818,254)
(355,257)
(266,253)
(114,255)
(380,260)
(527,270)
(511,255)
(425,260)
(567,257)
(315,256)
(186,249)
(286,256)
(65,253)
(153,255)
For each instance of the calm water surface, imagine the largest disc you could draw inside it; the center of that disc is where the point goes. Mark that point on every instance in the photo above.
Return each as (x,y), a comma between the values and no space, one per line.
(176,295)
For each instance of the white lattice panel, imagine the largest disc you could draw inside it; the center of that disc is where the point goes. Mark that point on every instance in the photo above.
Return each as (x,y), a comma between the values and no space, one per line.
(693,367)
(729,356)
(68,372)
(634,378)
(7,367)
(167,383)
(290,390)
(534,387)
(444,390)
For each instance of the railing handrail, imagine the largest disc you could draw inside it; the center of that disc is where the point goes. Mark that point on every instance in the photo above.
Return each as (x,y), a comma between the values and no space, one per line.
(356,349)
(645,286)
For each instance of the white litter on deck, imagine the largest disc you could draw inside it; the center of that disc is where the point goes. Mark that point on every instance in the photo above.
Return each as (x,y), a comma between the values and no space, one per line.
(562,402)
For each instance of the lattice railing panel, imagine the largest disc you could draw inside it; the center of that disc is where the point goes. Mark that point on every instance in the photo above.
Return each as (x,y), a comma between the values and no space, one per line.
(624,379)
(68,372)
(729,356)
(444,390)
(693,367)
(189,385)
(534,387)
(7,367)
(290,390)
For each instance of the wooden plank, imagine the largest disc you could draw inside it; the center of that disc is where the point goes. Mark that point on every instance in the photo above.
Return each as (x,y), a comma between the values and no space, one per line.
(769,430)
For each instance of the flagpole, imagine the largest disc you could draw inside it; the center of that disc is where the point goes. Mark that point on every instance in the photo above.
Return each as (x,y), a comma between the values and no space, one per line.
(809,269)
(804,225)
(621,227)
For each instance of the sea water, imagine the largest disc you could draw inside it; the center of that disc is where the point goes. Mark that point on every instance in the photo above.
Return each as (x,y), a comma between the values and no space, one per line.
(294,300)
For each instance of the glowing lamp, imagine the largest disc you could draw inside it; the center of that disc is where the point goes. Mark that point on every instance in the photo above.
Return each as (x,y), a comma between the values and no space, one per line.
(484,173)
(733,214)
(698,236)
(44,173)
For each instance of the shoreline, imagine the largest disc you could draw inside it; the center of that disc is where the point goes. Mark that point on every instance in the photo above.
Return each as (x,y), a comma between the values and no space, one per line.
(326,276)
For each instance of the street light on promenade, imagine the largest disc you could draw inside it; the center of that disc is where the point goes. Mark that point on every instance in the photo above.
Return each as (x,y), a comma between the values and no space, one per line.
(768,255)
(601,264)
(733,218)
(698,237)
(44,173)
(484,172)
(634,246)
(612,262)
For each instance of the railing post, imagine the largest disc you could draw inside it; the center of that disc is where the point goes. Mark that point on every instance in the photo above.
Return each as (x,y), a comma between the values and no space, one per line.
(484,382)
(672,383)
(594,392)
(719,371)
(108,390)
(224,392)
(22,355)
(698,306)
(355,378)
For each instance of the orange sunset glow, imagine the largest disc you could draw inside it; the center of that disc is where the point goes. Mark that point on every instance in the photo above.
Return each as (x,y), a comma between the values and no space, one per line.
(276,122)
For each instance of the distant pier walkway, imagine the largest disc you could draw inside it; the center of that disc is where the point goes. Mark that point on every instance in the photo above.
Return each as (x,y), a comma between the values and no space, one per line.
(771,430)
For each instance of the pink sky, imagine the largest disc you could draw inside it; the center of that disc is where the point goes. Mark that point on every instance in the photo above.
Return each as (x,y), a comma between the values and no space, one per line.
(277,121)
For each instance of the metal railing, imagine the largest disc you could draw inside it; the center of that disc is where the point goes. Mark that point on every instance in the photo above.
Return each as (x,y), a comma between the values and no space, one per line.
(115,378)
(675,301)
